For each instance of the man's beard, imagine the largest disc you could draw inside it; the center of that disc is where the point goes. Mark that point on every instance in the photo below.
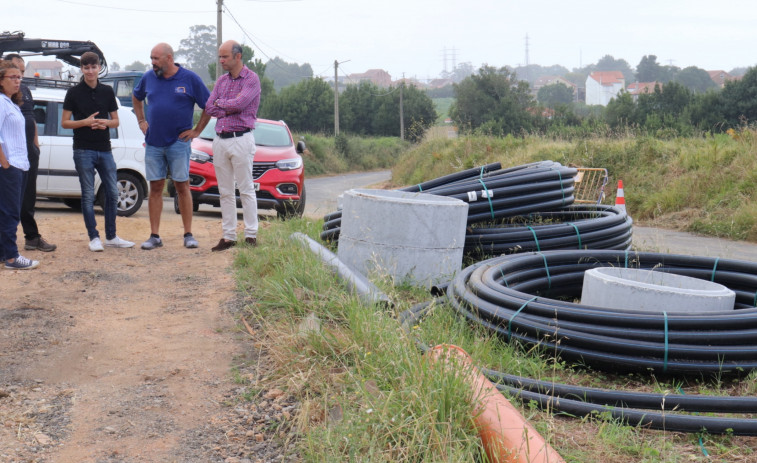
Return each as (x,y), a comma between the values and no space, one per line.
(158,71)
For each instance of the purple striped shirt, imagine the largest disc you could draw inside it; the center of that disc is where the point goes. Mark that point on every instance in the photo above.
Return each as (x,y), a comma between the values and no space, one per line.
(235,101)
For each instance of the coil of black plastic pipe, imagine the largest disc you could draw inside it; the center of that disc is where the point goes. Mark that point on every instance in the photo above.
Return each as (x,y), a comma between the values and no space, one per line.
(493,193)
(525,297)
(650,410)
(580,226)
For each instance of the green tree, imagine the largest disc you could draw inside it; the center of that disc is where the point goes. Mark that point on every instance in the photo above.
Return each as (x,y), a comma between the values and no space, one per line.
(554,95)
(357,107)
(284,74)
(649,70)
(462,71)
(114,66)
(306,107)
(695,79)
(533,71)
(739,99)
(199,49)
(366,109)
(493,100)
(621,111)
(707,112)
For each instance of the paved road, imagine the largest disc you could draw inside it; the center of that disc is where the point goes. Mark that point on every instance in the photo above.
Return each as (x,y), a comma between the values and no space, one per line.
(322,192)
(674,242)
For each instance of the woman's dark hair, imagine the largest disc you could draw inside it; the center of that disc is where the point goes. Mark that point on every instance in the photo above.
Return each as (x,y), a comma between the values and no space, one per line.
(5,66)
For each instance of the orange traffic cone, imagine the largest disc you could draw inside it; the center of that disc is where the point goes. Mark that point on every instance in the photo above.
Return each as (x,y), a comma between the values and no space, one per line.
(620,200)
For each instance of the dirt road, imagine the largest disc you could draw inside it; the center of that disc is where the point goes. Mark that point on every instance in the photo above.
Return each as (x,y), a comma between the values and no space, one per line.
(125,355)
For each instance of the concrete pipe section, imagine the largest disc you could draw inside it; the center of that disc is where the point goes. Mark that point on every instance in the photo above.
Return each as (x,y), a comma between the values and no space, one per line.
(412,237)
(645,290)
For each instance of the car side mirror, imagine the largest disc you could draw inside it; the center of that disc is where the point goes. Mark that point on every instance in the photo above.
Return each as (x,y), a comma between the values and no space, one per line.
(301,147)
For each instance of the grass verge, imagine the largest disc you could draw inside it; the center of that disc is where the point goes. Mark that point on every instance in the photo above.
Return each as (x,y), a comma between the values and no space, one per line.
(366,393)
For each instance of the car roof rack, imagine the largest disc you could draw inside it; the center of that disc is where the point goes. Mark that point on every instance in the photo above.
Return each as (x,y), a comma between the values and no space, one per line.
(37,82)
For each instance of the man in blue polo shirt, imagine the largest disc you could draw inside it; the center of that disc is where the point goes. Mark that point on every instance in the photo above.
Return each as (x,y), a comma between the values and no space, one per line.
(172,93)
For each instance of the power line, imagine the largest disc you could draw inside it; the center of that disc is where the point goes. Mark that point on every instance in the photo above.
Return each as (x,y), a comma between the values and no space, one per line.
(246,34)
(94,5)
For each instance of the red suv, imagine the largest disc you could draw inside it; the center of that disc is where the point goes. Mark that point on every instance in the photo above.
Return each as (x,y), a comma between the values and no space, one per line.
(277,170)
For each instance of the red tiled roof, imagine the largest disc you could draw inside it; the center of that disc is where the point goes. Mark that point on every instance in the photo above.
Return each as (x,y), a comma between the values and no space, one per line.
(607,77)
(638,88)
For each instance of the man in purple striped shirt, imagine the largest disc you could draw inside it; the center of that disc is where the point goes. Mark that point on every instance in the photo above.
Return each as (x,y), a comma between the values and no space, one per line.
(234,102)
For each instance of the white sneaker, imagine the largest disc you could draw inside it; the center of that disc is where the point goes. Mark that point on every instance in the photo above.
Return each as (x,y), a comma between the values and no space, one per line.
(117,242)
(95,245)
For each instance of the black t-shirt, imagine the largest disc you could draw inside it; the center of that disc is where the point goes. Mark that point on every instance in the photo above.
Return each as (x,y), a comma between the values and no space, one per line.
(83,100)
(27,109)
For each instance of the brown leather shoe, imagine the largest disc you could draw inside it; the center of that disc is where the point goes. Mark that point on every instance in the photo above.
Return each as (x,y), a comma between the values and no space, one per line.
(252,241)
(223,245)
(39,244)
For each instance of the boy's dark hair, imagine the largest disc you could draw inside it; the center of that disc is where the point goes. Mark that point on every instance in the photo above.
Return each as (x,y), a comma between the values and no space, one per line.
(12,56)
(89,58)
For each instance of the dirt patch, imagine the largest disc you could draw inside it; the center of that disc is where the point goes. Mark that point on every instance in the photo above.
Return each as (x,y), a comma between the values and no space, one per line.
(125,355)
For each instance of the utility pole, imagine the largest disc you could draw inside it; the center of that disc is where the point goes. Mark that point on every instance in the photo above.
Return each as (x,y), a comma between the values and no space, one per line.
(402,113)
(336,98)
(219,37)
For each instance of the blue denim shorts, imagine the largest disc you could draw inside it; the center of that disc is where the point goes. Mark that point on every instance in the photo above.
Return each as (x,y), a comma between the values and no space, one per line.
(173,159)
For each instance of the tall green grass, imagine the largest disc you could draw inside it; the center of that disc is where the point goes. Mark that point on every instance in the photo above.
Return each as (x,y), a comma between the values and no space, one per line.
(706,184)
(366,392)
(347,153)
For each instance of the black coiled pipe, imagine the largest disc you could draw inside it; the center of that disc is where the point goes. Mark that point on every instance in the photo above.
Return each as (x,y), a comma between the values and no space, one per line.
(526,297)
(493,193)
(580,226)
(651,410)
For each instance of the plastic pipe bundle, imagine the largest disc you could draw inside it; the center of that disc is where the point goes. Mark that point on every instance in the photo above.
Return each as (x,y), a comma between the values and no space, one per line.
(580,226)
(493,193)
(669,412)
(526,297)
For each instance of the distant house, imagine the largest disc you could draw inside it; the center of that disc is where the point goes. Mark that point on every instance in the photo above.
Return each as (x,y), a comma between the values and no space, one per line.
(439,83)
(639,88)
(543,81)
(603,86)
(376,76)
(720,77)
(410,82)
(43,69)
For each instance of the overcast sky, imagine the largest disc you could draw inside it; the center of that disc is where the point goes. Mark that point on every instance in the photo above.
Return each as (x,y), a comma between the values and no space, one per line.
(413,37)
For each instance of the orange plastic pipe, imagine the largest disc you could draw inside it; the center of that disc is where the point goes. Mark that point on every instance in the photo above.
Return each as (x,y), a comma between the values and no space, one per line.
(505,434)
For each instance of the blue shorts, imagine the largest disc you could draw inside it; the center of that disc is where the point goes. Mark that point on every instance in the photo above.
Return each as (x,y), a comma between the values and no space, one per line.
(173,159)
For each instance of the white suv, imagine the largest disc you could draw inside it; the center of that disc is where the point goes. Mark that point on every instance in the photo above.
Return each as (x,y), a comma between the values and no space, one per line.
(57,178)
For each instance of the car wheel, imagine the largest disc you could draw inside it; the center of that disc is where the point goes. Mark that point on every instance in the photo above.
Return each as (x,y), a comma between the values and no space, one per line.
(73,203)
(195,204)
(131,194)
(292,209)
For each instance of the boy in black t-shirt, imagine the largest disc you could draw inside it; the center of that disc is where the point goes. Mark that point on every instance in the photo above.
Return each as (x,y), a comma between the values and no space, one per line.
(91,110)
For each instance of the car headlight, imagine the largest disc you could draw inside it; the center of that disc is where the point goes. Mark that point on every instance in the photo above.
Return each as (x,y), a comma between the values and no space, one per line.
(289,164)
(199,156)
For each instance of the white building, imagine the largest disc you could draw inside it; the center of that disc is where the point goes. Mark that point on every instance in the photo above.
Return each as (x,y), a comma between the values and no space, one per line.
(603,86)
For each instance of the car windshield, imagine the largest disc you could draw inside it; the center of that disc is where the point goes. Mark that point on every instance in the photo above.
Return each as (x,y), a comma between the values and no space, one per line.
(265,134)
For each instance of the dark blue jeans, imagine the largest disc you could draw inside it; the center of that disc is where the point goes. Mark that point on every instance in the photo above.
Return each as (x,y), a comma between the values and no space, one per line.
(86,162)
(11,191)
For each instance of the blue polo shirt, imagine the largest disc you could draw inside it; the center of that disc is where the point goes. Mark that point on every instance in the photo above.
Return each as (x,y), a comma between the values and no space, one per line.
(170,104)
